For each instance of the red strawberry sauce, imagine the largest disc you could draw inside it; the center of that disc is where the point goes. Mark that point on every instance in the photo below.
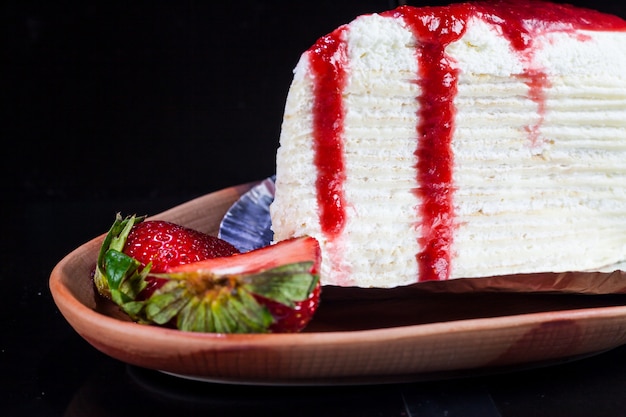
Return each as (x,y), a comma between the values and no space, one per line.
(328,61)
(434,28)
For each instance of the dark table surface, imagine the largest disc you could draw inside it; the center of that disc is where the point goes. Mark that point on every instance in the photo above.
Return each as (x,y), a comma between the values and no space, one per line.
(137,107)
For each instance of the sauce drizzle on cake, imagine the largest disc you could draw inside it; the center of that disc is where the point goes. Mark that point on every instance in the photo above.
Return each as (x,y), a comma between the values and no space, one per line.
(462,141)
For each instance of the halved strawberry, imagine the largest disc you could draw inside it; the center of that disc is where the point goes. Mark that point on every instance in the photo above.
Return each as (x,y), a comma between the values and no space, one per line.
(272,289)
(282,277)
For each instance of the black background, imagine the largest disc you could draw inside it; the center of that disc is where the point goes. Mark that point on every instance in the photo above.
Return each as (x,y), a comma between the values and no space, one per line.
(136,107)
(149,99)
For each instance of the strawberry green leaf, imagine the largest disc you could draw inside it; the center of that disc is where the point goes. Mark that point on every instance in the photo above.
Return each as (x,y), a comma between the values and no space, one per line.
(222,317)
(133,309)
(193,317)
(118,267)
(220,310)
(123,277)
(166,303)
(285,284)
(118,239)
(114,240)
(249,314)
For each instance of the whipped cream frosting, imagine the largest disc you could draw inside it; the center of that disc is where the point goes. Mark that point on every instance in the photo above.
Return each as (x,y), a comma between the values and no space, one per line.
(470,140)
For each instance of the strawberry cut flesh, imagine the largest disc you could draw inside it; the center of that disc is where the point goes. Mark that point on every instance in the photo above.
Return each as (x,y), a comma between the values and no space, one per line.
(288,251)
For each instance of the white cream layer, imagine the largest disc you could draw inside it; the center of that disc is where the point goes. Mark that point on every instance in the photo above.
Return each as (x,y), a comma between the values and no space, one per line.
(550,201)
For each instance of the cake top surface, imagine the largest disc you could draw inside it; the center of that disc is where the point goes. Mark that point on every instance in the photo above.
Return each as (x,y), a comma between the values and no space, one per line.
(519,21)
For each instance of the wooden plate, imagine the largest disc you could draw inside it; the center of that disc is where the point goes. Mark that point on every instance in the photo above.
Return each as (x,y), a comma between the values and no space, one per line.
(357,336)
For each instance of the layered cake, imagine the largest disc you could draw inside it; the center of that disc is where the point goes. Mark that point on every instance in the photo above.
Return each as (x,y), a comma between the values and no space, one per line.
(471,140)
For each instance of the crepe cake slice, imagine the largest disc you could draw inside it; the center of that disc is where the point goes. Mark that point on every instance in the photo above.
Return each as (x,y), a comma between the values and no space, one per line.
(470,140)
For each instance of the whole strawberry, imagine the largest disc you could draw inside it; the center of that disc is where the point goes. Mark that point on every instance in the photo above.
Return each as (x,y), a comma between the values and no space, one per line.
(161,245)
(162,273)
(164,245)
